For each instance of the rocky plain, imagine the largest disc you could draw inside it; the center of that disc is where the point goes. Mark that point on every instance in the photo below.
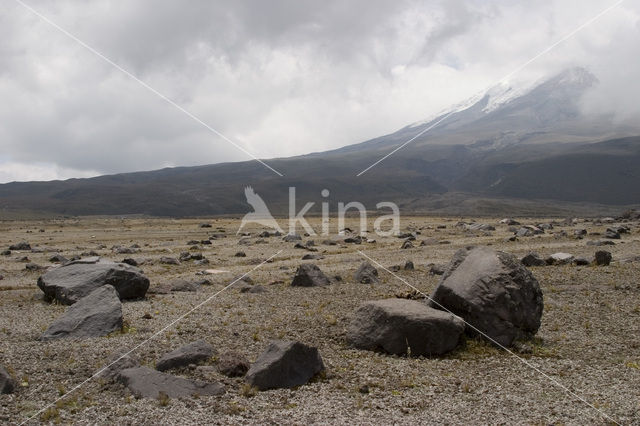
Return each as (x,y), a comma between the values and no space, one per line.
(454,320)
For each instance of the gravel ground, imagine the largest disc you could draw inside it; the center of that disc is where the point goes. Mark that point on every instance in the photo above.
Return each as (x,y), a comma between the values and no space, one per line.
(589,341)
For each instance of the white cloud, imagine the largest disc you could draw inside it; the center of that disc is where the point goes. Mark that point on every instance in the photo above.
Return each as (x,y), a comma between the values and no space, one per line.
(281,78)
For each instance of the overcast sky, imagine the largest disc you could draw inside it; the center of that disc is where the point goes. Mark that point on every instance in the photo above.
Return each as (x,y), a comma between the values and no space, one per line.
(279,78)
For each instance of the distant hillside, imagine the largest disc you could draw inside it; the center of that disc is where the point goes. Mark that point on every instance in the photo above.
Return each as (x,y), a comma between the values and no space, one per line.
(514,149)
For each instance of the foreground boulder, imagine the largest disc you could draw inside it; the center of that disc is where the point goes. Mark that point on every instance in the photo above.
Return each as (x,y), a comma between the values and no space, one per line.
(73,281)
(309,275)
(95,315)
(118,361)
(193,353)
(7,383)
(144,382)
(400,326)
(366,274)
(285,364)
(493,292)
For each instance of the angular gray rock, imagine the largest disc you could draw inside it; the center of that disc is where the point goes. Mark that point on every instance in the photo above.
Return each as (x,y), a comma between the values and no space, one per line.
(7,383)
(492,291)
(559,259)
(602,258)
(401,326)
(68,283)
(366,274)
(612,234)
(533,259)
(95,315)
(144,382)
(192,353)
(309,275)
(291,237)
(233,364)
(285,364)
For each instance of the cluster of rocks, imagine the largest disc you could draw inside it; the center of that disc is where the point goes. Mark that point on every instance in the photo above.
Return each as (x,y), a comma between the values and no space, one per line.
(600,258)
(482,292)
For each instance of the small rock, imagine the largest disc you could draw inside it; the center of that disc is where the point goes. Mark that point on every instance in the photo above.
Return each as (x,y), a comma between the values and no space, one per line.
(240,254)
(580,261)
(169,260)
(193,353)
(285,364)
(130,261)
(533,259)
(559,259)
(309,275)
(437,269)
(408,266)
(612,234)
(147,383)
(366,274)
(292,237)
(406,245)
(233,364)
(7,383)
(21,246)
(603,258)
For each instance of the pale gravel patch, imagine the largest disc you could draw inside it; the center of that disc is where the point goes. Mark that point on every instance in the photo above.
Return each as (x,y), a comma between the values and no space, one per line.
(590,333)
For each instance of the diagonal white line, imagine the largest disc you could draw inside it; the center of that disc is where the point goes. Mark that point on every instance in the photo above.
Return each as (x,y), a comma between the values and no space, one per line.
(153,336)
(506,77)
(524,361)
(142,83)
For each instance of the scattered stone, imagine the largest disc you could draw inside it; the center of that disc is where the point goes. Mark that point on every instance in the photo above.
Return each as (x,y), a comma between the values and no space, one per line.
(509,222)
(21,246)
(366,274)
(69,283)
(95,315)
(559,259)
(144,382)
(58,258)
(169,260)
(408,266)
(581,261)
(400,326)
(205,225)
(130,261)
(33,267)
(579,233)
(285,364)
(255,289)
(612,234)
(492,291)
(533,259)
(233,364)
(7,383)
(292,237)
(480,227)
(329,243)
(437,269)
(193,353)
(407,245)
(601,243)
(353,240)
(180,285)
(310,256)
(6,253)
(603,258)
(309,275)
(240,254)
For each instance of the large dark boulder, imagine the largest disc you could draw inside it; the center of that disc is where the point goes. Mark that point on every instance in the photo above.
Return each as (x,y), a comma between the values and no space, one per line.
(400,326)
(97,314)
(7,383)
(68,283)
(285,364)
(493,292)
(192,353)
(309,275)
(147,383)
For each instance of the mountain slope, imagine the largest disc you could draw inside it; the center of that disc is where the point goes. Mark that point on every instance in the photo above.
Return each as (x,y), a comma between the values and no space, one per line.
(527,143)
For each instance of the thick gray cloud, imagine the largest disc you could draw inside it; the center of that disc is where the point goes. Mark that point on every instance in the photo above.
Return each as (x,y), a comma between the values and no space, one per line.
(279,78)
